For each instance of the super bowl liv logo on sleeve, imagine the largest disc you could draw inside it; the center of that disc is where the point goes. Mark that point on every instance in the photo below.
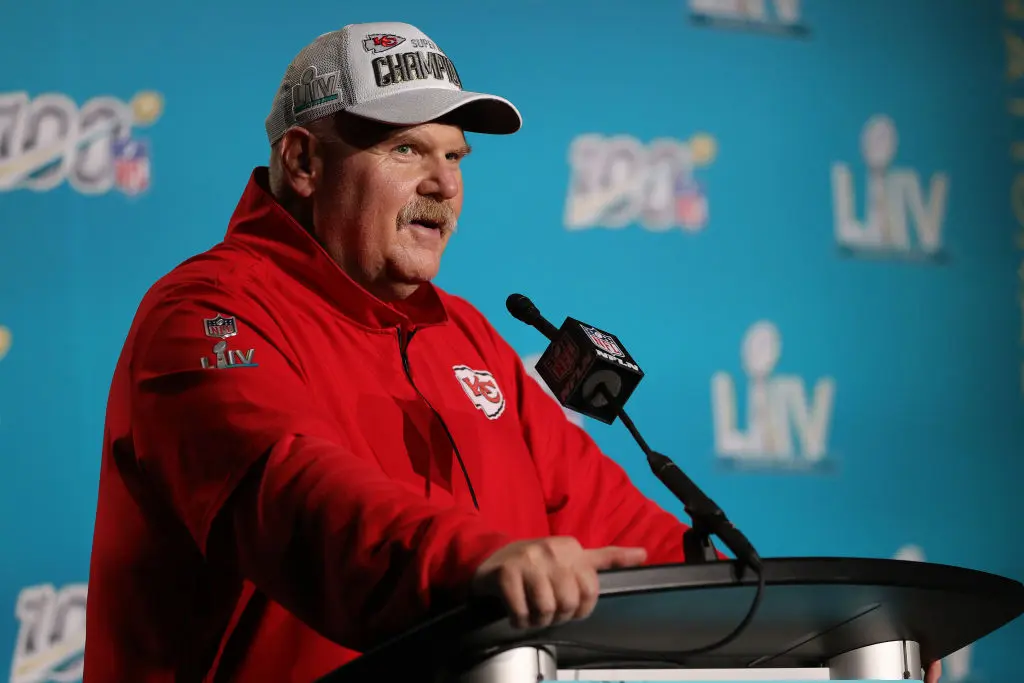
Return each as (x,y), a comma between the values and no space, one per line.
(51,636)
(619,181)
(48,139)
(900,219)
(778,409)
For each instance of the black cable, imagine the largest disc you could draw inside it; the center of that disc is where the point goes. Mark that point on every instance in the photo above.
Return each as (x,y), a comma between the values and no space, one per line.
(674,657)
(677,657)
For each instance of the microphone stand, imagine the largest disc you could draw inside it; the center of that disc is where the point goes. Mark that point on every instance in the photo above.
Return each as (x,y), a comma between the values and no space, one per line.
(707,518)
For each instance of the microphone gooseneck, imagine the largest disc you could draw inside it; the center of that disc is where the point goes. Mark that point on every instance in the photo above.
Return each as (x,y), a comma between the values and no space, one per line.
(592,385)
(708,518)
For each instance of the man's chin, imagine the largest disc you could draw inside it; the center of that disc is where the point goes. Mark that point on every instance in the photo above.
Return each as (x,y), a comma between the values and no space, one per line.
(413,276)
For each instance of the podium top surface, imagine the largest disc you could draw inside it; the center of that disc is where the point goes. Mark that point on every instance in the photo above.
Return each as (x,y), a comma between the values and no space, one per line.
(812,609)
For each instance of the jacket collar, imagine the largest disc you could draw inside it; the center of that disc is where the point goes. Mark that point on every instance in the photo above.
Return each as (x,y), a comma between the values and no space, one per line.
(262,225)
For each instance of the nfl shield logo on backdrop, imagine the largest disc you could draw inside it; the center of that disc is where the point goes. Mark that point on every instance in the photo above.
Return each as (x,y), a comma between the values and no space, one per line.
(603,341)
(220,327)
(691,203)
(131,165)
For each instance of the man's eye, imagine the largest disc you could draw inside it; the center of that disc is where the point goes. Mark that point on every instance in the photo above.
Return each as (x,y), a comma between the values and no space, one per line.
(404,149)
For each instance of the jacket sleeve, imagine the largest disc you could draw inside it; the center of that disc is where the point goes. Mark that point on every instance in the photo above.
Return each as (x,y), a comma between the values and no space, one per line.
(325,533)
(589,496)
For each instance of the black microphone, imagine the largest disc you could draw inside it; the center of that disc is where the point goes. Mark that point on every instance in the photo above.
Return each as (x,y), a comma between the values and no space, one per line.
(589,371)
(523,309)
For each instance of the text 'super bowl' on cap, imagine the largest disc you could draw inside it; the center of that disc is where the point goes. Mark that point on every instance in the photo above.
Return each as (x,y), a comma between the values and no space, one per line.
(384,71)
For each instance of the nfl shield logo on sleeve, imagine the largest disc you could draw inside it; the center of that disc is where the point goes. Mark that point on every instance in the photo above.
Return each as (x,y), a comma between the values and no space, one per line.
(220,327)
(603,341)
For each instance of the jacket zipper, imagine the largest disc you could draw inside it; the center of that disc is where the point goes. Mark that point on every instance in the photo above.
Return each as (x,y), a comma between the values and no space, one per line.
(403,345)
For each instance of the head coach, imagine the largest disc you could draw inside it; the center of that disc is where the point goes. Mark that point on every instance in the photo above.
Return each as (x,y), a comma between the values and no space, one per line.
(309,447)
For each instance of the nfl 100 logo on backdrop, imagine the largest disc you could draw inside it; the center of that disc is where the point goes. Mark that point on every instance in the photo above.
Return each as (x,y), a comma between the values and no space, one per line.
(898,216)
(50,645)
(6,339)
(782,17)
(618,181)
(48,139)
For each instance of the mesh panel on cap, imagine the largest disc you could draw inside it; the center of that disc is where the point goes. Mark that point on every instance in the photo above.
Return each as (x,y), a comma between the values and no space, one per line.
(326,54)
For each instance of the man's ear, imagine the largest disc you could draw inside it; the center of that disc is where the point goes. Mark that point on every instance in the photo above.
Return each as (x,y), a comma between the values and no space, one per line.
(301,160)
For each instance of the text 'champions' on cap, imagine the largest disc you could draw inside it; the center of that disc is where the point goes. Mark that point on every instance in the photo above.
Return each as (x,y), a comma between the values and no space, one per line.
(388,72)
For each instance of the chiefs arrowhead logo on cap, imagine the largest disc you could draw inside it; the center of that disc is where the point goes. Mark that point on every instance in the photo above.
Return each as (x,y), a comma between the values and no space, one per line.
(381,42)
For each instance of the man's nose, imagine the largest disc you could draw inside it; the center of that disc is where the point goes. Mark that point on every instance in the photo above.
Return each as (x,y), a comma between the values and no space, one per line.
(442,182)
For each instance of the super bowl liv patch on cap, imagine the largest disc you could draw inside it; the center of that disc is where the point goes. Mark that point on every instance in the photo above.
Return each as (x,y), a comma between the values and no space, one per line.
(389,72)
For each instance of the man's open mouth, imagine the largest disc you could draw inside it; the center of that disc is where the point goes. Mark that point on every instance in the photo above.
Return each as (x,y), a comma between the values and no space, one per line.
(428,223)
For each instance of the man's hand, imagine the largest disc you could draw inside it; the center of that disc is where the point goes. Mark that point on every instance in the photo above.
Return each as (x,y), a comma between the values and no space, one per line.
(549,580)
(552,580)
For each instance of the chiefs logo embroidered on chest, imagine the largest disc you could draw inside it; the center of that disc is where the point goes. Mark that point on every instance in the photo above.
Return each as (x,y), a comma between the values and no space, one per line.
(482,390)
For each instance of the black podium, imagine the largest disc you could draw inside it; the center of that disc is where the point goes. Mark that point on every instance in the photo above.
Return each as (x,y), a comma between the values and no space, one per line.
(819,619)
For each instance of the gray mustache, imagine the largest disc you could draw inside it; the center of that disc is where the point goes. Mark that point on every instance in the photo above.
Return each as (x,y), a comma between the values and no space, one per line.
(438,213)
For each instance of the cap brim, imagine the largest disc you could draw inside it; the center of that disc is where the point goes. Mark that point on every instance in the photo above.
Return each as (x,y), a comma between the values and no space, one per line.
(474,112)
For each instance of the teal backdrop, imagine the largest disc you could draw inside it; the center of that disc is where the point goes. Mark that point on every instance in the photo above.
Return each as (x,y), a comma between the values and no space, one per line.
(799,217)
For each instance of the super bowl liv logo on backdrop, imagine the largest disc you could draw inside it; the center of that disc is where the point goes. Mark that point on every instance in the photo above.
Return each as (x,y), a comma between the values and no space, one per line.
(775,16)
(1014,10)
(618,181)
(956,668)
(6,339)
(900,219)
(48,139)
(530,362)
(51,637)
(777,410)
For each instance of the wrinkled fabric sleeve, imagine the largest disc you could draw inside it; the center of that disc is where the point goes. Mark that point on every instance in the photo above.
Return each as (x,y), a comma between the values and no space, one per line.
(324,533)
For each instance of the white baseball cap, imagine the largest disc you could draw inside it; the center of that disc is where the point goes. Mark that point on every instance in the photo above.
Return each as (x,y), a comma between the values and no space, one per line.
(384,71)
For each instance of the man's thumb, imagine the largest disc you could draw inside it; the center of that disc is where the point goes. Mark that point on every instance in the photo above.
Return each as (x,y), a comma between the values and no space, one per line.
(614,557)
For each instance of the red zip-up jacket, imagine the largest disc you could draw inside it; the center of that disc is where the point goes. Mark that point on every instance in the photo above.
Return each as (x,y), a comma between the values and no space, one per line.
(293,470)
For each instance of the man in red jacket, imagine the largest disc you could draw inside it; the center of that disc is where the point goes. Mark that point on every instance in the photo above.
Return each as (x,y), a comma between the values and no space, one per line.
(309,447)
